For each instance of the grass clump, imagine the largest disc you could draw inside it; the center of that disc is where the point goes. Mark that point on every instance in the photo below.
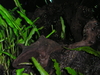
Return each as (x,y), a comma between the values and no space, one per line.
(13,32)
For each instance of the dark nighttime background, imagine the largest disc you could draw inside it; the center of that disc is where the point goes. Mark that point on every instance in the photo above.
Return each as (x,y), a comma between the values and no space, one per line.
(31,5)
(76,14)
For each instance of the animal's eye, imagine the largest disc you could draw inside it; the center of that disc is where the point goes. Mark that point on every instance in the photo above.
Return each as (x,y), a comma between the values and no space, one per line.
(51,1)
(48,1)
(55,1)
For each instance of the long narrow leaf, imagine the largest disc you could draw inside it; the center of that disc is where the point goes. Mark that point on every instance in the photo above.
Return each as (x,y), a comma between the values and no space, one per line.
(10,55)
(57,67)
(19,6)
(9,18)
(87,49)
(26,18)
(53,31)
(63,28)
(2,22)
(39,67)
(30,35)
(71,71)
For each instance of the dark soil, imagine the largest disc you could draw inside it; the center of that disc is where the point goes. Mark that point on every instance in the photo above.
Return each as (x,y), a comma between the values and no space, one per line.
(82,29)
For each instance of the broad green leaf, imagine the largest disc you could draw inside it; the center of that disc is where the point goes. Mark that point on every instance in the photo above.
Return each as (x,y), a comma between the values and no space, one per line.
(39,67)
(57,67)
(18,21)
(71,71)
(19,71)
(20,41)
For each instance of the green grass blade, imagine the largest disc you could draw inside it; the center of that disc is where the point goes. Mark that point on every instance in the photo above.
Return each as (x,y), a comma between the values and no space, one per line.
(53,31)
(10,55)
(87,49)
(26,18)
(39,67)
(36,19)
(57,67)
(25,63)
(30,35)
(9,18)
(16,32)
(31,73)
(19,6)
(1,40)
(46,1)
(3,23)
(63,33)
(2,36)
(29,21)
